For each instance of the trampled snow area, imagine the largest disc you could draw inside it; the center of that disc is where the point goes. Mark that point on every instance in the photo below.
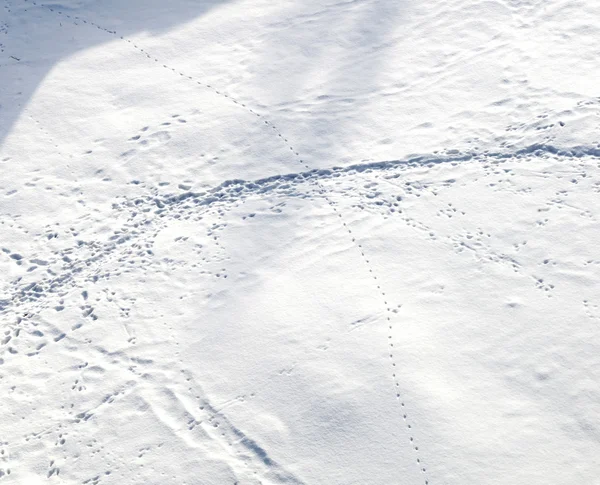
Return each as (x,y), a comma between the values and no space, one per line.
(306,242)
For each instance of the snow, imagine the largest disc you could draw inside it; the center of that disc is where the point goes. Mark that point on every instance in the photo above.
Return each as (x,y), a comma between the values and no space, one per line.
(321,242)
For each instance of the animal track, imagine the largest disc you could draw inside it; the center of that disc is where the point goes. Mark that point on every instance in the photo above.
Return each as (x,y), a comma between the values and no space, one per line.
(148,214)
(5,470)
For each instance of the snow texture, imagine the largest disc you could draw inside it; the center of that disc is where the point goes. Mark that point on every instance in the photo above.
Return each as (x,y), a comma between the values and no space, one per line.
(325,242)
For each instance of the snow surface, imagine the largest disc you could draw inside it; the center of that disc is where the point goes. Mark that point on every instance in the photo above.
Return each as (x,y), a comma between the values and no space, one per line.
(320,242)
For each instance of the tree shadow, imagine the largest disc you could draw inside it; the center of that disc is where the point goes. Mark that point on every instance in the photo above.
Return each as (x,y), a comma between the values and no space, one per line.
(335,60)
(35,36)
(312,68)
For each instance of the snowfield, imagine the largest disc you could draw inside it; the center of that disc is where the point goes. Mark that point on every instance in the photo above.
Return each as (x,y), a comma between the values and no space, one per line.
(351,242)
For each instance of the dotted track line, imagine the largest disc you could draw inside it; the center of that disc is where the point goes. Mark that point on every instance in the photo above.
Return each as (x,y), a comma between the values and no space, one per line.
(322,189)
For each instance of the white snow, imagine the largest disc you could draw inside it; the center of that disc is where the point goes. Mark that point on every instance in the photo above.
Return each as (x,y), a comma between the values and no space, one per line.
(321,242)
